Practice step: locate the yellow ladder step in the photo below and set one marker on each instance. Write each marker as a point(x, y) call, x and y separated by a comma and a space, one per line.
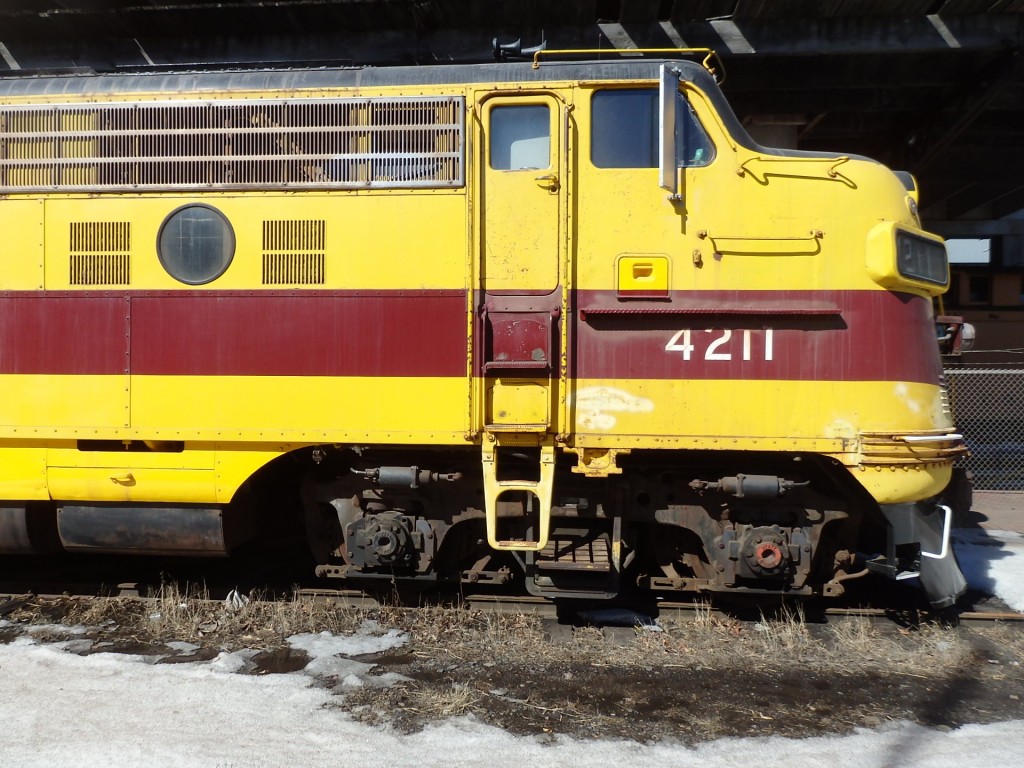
point(541, 489)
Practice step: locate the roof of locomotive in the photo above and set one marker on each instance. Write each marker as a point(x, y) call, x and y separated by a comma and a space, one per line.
point(14, 84)
point(54, 86)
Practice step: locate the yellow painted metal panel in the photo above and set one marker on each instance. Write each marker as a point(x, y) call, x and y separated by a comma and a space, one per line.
point(809, 230)
point(790, 416)
point(131, 484)
point(23, 472)
point(37, 405)
point(431, 410)
point(522, 403)
point(907, 483)
point(300, 409)
point(208, 474)
point(750, 414)
point(270, 409)
point(378, 240)
point(21, 246)
point(236, 463)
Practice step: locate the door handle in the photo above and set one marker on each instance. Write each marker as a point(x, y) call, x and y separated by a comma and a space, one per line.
point(549, 182)
point(127, 479)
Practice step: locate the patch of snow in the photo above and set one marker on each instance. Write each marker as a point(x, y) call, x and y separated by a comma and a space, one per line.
point(365, 641)
point(992, 562)
point(353, 681)
point(100, 710)
point(75, 646)
point(182, 648)
point(54, 629)
point(336, 666)
point(329, 654)
point(231, 662)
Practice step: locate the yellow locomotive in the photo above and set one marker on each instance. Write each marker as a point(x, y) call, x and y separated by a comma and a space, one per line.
point(563, 322)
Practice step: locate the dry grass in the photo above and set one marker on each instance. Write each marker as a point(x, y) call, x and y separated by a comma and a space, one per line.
point(703, 639)
point(707, 639)
point(437, 703)
point(192, 616)
point(466, 633)
point(855, 634)
point(704, 674)
point(786, 635)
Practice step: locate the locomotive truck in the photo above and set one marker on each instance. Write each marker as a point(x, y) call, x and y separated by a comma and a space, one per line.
point(563, 325)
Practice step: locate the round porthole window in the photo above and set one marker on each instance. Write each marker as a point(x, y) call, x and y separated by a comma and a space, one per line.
point(196, 244)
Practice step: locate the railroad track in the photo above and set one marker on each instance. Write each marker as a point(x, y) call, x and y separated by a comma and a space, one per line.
point(682, 610)
point(594, 613)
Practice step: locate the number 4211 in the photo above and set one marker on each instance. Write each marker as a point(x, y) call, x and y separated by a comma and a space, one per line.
point(720, 347)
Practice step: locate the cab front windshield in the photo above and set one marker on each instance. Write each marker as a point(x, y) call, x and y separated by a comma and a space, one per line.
point(624, 131)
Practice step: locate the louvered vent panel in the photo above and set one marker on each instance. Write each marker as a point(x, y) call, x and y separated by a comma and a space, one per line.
point(100, 253)
point(293, 269)
point(293, 252)
point(944, 402)
point(239, 144)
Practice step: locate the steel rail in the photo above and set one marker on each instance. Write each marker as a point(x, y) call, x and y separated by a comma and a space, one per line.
point(538, 606)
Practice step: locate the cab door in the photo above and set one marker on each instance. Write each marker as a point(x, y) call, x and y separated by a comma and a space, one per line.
point(522, 194)
point(519, 349)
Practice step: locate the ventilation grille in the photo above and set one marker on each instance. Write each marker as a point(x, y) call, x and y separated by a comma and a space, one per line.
point(240, 144)
point(100, 253)
point(293, 252)
point(944, 400)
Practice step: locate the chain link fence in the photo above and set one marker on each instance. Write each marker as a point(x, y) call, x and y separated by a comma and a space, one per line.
point(988, 409)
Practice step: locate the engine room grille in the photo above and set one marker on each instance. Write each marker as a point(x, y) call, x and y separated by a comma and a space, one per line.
point(293, 252)
point(100, 253)
point(241, 144)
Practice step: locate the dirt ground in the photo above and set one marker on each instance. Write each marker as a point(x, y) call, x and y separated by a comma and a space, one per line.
point(709, 679)
point(689, 679)
point(691, 702)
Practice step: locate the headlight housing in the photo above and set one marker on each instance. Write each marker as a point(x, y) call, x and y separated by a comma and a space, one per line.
point(903, 259)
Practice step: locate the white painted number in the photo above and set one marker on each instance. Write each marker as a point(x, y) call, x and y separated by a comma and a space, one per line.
point(686, 347)
point(712, 354)
point(719, 347)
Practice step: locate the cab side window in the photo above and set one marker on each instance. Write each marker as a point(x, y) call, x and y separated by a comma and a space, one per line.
point(624, 131)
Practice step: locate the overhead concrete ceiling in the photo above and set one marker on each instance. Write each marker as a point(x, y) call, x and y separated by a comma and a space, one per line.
point(935, 87)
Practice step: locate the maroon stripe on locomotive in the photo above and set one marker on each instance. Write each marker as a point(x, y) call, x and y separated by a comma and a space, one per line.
point(820, 335)
point(64, 333)
point(816, 336)
point(414, 333)
point(365, 333)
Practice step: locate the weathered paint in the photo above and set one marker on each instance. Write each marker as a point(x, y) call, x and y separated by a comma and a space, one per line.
point(418, 333)
point(819, 350)
point(597, 407)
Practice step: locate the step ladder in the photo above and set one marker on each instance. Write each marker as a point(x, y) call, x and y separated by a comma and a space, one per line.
point(541, 490)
